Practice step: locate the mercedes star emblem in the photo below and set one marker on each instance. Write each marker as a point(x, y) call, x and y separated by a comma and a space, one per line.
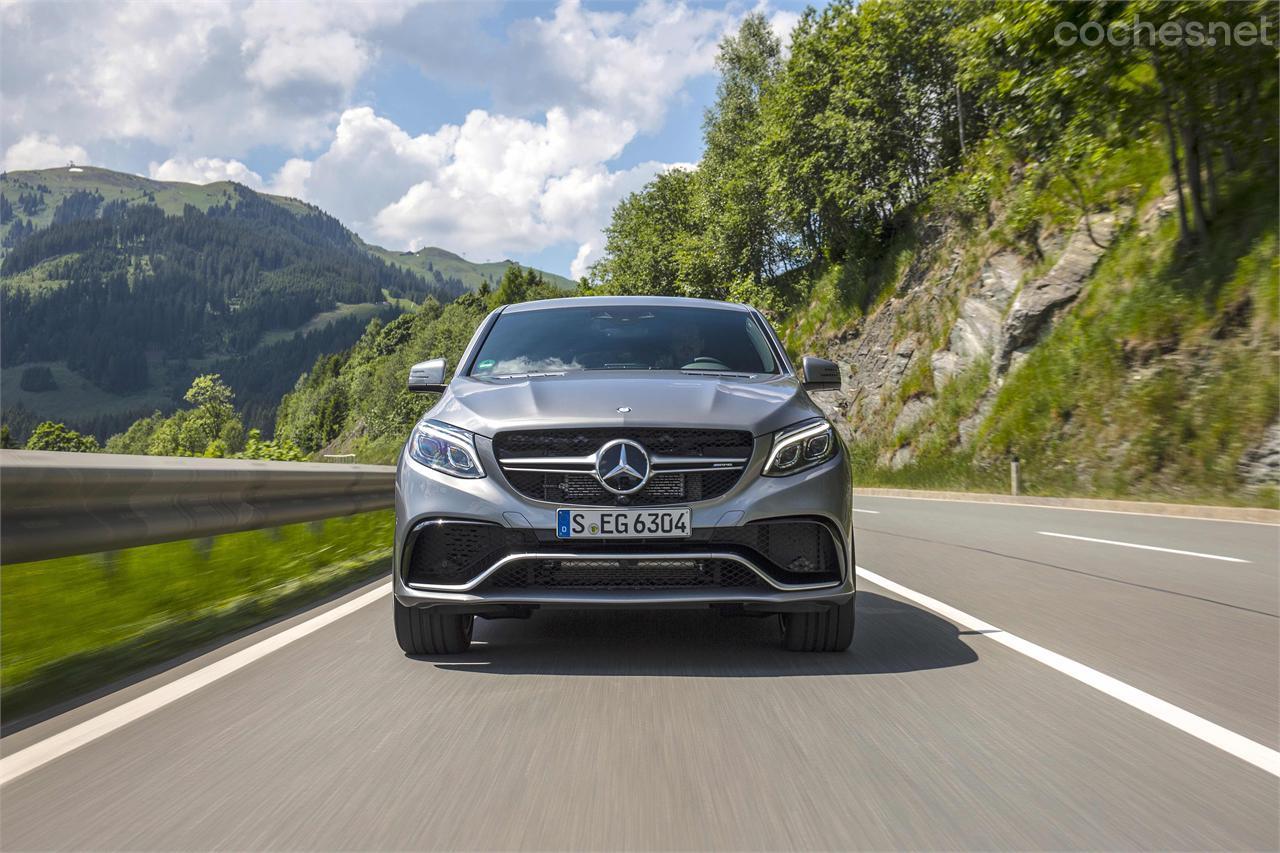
point(622, 466)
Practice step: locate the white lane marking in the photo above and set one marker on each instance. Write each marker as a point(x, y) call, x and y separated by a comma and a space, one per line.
point(1071, 509)
point(54, 746)
point(1144, 547)
point(1198, 727)
point(872, 511)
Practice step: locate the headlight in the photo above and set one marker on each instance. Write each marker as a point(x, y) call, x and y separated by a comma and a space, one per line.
point(446, 449)
point(800, 447)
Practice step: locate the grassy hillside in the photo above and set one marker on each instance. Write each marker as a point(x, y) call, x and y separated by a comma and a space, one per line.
point(356, 401)
point(127, 287)
point(54, 185)
point(1154, 382)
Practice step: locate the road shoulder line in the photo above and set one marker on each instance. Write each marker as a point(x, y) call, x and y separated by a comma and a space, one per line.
point(1198, 727)
point(1194, 512)
point(42, 752)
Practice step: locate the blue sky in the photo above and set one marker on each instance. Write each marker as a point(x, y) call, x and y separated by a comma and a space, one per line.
point(491, 129)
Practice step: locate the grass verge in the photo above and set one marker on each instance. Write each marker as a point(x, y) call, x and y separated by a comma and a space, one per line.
point(74, 624)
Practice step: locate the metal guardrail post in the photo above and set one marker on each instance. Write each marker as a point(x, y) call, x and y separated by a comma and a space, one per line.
point(60, 504)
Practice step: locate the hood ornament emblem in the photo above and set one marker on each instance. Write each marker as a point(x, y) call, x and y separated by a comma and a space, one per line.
point(622, 466)
point(623, 409)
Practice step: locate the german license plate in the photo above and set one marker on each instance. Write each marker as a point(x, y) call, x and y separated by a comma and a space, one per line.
point(621, 523)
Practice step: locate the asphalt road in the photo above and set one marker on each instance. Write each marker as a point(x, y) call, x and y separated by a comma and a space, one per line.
point(685, 730)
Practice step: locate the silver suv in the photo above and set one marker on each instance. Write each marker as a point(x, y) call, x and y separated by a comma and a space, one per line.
point(623, 452)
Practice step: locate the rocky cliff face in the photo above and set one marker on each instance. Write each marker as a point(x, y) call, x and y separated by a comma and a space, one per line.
point(928, 365)
point(994, 317)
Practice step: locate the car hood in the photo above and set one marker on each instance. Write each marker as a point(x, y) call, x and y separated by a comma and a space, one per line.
point(489, 406)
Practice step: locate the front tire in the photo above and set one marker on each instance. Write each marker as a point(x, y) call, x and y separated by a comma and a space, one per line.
point(427, 631)
point(827, 630)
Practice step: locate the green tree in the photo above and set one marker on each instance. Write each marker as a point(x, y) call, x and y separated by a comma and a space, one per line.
point(866, 114)
point(137, 438)
point(38, 379)
point(518, 284)
point(655, 242)
point(55, 436)
point(743, 232)
point(1067, 104)
point(282, 450)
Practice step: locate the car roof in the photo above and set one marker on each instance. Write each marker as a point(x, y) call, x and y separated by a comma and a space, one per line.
point(620, 301)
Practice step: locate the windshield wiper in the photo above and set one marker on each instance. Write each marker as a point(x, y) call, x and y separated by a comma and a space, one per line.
point(720, 373)
point(525, 375)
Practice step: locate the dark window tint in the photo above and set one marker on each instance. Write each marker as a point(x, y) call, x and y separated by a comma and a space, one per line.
point(556, 340)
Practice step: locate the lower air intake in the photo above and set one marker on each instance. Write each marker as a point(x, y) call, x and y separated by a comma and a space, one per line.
point(637, 574)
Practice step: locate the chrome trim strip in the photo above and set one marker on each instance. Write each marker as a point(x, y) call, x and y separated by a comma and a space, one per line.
point(656, 470)
point(685, 555)
point(558, 464)
point(726, 461)
point(541, 461)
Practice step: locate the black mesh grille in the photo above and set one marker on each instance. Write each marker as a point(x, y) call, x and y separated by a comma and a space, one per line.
point(624, 574)
point(788, 550)
point(585, 490)
point(455, 552)
point(795, 551)
point(579, 442)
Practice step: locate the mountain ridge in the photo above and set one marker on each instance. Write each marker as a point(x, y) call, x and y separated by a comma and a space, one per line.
point(119, 289)
point(172, 196)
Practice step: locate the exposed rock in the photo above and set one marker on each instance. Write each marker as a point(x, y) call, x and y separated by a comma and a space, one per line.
point(902, 457)
point(1162, 209)
point(912, 411)
point(968, 427)
point(1260, 465)
point(872, 366)
point(1039, 301)
point(977, 329)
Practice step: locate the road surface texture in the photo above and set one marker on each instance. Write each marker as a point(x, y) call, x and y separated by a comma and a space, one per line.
point(684, 730)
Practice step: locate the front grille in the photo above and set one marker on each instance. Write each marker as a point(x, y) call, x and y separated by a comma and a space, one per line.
point(645, 574)
point(579, 442)
point(583, 489)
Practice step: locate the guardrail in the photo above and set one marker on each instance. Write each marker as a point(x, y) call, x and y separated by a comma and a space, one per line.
point(60, 504)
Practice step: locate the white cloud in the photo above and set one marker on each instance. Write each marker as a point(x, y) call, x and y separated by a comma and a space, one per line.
point(34, 151)
point(192, 78)
point(292, 178)
point(571, 91)
point(205, 170)
point(491, 187)
point(198, 87)
point(625, 64)
point(782, 23)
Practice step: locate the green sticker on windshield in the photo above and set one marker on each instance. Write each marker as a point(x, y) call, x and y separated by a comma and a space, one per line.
point(487, 364)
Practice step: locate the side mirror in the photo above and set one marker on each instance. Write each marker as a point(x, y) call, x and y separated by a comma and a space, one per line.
point(427, 376)
point(818, 374)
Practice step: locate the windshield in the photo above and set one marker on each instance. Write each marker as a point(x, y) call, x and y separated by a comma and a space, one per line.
point(558, 340)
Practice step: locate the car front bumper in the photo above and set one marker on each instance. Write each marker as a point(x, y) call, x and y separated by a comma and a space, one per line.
point(426, 497)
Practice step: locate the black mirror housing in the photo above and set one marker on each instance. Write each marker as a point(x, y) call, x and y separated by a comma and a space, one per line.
point(818, 374)
point(427, 377)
